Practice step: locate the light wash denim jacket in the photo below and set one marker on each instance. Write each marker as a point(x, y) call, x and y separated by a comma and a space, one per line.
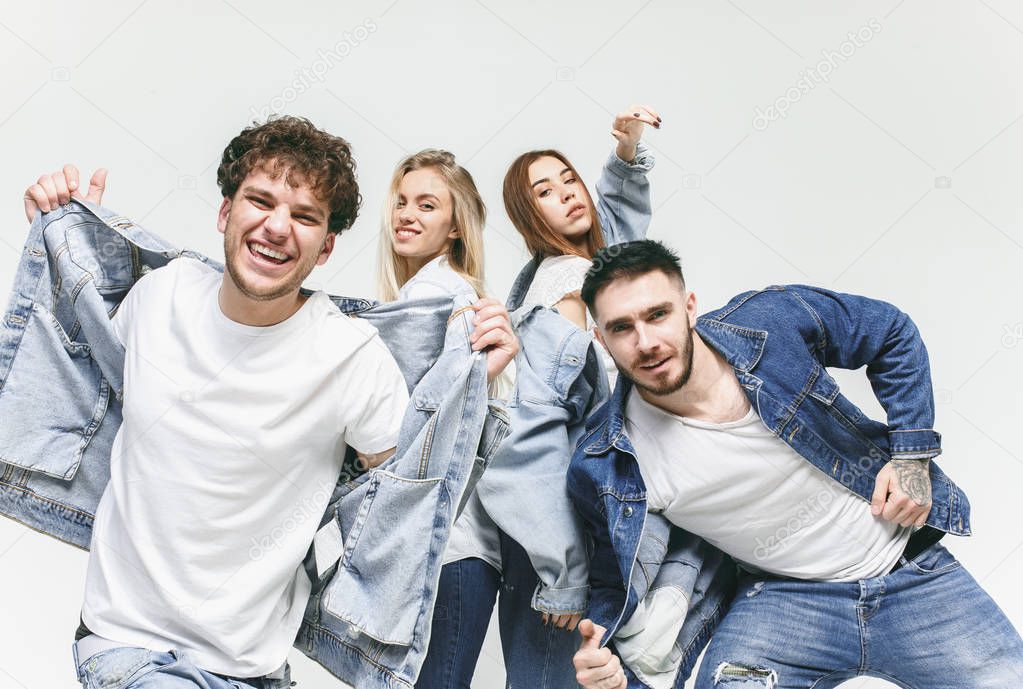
point(779, 342)
point(560, 380)
point(378, 554)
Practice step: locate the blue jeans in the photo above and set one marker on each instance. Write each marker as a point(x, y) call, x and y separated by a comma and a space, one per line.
point(927, 625)
point(537, 656)
point(140, 668)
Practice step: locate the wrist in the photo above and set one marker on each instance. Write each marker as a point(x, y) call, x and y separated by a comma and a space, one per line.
point(626, 153)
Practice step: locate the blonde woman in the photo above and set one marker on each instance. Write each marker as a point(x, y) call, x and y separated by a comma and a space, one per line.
point(432, 246)
point(432, 243)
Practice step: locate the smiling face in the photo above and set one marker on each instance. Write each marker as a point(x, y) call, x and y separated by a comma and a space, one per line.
point(274, 235)
point(423, 217)
point(646, 324)
point(562, 198)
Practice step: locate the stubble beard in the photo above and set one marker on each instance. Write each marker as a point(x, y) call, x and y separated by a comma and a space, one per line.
point(671, 386)
point(289, 285)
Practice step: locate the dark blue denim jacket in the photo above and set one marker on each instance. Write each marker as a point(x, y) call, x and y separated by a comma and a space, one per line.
point(378, 553)
point(779, 341)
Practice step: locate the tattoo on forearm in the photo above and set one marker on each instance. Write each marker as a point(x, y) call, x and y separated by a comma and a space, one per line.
point(914, 478)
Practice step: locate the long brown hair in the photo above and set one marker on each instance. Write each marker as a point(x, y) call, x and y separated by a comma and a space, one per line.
point(522, 208)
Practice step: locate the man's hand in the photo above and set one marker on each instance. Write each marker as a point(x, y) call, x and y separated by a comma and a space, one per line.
point(494, 335)
point(628, 129)
point(51, 191)
point(568, 622)
point(902, 492)
point(596, 667)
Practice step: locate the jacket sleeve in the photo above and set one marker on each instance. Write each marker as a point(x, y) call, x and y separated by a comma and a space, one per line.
point(623, 197)
point(850, 331)
point(607, 591)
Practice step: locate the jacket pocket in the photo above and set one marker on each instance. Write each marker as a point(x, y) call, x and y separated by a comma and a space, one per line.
point(52, 401)
point(381, 586)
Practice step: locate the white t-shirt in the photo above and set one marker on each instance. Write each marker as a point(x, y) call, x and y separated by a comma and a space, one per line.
point(474, 533)
point(559, 276)
point(231, 445)
point(751, 495)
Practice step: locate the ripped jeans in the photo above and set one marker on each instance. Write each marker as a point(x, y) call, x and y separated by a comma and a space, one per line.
point(926, 625)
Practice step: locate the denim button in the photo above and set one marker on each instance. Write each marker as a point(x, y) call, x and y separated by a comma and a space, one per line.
point(628, 511)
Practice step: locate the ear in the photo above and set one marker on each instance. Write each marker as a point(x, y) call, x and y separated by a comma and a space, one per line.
point(225, 210)
point(328, 246)
point(691, 308)
point(454, 233)
point(599, 336)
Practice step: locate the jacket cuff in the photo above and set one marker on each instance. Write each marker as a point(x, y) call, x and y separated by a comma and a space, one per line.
point(643, 163)
point(920, 443)
point(561, 601)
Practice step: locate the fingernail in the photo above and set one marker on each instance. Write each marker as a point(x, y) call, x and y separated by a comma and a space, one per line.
point(635, 114)
point(658, 119)
point(72, 186)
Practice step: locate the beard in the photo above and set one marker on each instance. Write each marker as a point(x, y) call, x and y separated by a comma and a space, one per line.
point(288, 284)
point(667, 386)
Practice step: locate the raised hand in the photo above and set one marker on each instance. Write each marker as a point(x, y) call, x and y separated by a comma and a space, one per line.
point(628, 129)
point(51, 191)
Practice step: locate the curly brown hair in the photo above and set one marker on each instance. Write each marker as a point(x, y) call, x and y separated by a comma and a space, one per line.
point(293, 146)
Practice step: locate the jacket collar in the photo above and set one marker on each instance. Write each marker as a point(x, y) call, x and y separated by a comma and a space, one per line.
point(741, 347)
point(522, 283)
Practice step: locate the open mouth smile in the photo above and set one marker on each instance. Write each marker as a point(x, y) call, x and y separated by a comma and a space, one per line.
point(406, 233)
point(264, 254)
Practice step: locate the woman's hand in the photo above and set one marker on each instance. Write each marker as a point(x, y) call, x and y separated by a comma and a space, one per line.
point(569, 622)
point(628, 129)
point(494, 335)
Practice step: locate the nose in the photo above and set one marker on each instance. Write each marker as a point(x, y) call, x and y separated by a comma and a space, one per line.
point(277, 223)
point(567, 194)
point(645, 340)
point(404, 217)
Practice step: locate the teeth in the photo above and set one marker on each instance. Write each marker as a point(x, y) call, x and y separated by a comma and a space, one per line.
point(260, 249)
point(407, 233)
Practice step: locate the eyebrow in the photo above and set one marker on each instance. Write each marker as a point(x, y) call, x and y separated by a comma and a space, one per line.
point(299, 207)
point(663, 306)
point(548, 179)
point(428, 195)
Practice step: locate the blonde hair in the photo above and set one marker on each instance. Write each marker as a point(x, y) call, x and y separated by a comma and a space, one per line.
point(465, 252)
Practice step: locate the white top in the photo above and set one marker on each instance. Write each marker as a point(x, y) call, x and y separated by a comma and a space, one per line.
point(745, 491)
point(474, 533)
point(560, 276)
point(748, 493)
point(435, 279)
point(228, 454)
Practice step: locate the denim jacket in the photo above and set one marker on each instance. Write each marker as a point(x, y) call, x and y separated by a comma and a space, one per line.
point(779, 341)
point(61, 378)
point(559, 381)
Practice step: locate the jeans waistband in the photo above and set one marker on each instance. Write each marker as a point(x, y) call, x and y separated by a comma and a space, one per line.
point(920, 541)
point(93, 644)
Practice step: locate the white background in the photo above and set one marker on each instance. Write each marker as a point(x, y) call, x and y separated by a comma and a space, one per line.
point(898, 178)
